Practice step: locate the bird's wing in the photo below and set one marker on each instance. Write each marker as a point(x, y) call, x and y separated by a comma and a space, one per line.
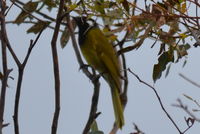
point(111, 73)
point(106, 56)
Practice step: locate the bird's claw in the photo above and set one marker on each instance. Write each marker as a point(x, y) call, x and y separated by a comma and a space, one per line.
point(95, 78)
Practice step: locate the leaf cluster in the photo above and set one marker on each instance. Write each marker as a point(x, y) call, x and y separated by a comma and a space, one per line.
point(159, 21)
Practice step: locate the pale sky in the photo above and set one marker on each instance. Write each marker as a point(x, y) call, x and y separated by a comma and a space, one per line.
point(37, 95)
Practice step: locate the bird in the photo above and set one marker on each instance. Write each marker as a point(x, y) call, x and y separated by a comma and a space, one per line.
point(100, 54)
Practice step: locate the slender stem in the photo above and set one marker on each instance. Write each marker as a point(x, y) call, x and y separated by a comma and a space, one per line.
point(25, 10)
point(17, 98)
point(4, 64)
point(20, 74)
point(56, 67)
point(92, 76)
point(21, 68)
point(189, 80)
point(159, 100)
point(93, 111)
point(38, 12)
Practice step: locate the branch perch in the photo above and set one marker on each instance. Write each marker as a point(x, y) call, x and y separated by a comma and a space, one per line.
point(92, 76)
point(56, 67)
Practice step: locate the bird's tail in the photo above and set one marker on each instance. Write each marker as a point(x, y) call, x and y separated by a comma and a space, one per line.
point(118, 109)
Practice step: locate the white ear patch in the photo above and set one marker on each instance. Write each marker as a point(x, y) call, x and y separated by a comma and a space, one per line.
point(91, 22)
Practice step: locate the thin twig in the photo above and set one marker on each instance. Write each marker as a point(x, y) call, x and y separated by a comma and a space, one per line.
point(189, 80)
point(13, 1)
point(198, 25)
point(20, 74)
point(93, 111)
point(159, 100)
point(21, 68)
point(138, 43)
point(12, 52)
point(3, 97)
point(185, 108)
point(32, 44)
point(4, 63)
point(56, 67)
point(9, 9)
point(33, 22)
point(38, 12)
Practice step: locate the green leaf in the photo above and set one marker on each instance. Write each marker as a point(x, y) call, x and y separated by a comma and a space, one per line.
point(184, 63)
point(30, 6)
point(167, 71)
point(119, 1)
point(21, 17)
point(50, 4)
point(64, 37)
point(36, 28)
point(163, 60)
point(1, 76)
point(182, 50)
point(156, 72)
point(72, 7)
point(126, 5)
point(112, 15)
point(96, 132)
point(187, 46)
point(94, 126)
point(99, 6)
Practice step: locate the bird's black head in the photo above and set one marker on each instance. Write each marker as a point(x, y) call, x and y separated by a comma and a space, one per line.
point(81, 22)
point(83, 26)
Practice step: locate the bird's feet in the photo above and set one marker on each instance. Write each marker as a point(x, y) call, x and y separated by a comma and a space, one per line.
point(95, 78)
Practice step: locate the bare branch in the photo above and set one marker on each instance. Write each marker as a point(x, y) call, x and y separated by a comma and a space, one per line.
point(4, 64)
point(185, 108)
point(21, 68)
point(159, 100)
point(38, 12)
point(93, 111)
point(189, 80)
point(56, 67)
point(92, 76)
point(138, 131)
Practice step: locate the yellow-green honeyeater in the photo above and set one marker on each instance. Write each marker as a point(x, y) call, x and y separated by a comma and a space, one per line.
point(100, 54)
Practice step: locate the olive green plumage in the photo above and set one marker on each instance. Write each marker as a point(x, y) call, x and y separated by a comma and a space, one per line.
point(101, 55)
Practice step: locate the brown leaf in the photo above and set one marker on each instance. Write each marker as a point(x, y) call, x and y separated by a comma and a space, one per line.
point(36, 28)
point(21, 17)
point(126, 5)
point(30, 6)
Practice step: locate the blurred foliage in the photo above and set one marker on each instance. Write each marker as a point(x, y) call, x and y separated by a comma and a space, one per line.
point(159, 21)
